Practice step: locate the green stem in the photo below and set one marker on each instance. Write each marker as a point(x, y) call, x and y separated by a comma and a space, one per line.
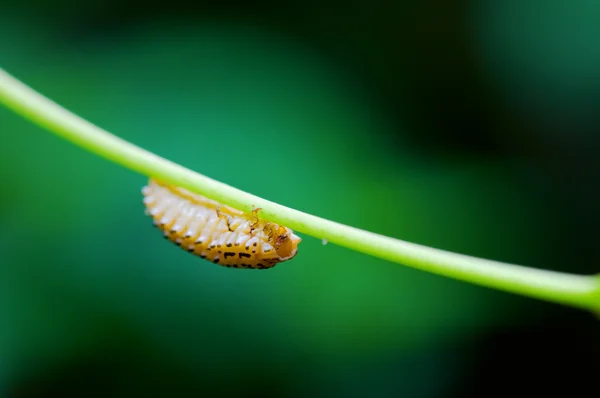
point(575, 290)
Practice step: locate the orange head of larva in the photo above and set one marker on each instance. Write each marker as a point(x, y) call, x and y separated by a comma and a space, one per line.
point(286, 243)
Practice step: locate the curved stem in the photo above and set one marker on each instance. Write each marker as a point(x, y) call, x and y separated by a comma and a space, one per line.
point(575, 290)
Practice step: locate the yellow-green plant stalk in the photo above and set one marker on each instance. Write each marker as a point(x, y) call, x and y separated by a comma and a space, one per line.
point(582, 291)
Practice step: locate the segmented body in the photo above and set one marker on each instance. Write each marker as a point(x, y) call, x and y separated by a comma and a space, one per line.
point(219, 233)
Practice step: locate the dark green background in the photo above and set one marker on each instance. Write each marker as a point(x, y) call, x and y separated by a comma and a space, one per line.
point(467, 126)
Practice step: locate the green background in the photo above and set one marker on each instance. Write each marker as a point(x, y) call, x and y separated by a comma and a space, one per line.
point(467, 126)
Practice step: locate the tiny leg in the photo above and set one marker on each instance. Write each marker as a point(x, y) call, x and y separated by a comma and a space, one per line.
point(254, 215)
point(227, 218)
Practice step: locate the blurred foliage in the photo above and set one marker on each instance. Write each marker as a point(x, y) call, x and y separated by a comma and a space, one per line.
point(466, 127)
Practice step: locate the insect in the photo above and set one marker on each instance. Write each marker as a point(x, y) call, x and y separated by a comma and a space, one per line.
point(216, 232)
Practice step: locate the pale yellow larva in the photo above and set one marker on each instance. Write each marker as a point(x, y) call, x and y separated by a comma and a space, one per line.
point(219, 233)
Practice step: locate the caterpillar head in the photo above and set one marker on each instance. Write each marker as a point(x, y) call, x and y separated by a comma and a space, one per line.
point(285, 243)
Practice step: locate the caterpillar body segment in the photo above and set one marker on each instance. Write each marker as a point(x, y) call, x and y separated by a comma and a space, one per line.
point(216, 232)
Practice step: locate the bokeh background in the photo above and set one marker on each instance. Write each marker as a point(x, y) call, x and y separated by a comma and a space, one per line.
point(467, 126)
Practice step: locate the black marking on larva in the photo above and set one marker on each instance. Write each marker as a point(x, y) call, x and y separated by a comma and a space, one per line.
point(255, 244)
point(191, 249)
point(229, 254)
point(253, 251)
point(216, 260)
point(177, 243)
point(202, 256)
point(247, 247)
point(242, 254)
point(259, 265)
point(229, 245)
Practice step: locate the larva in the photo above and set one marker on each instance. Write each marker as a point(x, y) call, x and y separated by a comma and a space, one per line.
point(219, 233)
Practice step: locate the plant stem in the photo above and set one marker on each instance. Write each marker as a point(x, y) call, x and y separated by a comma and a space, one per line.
point(567, 289)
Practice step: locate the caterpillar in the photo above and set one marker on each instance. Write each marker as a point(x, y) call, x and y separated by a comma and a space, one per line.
point(216, 232)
